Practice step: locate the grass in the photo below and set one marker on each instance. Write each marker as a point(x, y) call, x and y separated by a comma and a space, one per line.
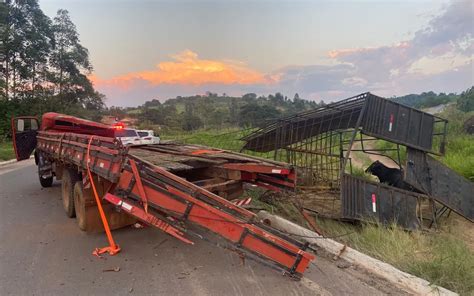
point(460, 155)
point(441, 258)
point(6, 151)
point(460, 146)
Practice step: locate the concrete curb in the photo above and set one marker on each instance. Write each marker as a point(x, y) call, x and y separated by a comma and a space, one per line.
point(403, 280)
point(3, 163)
point(7, 162)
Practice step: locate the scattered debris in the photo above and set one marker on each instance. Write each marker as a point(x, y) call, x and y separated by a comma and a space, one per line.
point(115, 269)
point(343, 265)
point(138, 225)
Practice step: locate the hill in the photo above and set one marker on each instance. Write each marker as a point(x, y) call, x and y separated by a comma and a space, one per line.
point(426, 99)
point(213, 111)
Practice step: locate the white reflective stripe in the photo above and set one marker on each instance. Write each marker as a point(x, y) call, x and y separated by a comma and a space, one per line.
point(374, 205)
point(390, 127)
point(126, 206)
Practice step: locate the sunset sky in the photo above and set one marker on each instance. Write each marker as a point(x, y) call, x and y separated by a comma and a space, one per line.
point(143, 50)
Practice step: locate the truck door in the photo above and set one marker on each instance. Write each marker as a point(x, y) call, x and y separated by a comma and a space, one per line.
point(24, 130)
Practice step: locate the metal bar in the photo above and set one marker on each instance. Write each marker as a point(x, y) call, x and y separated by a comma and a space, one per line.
point(354, 133)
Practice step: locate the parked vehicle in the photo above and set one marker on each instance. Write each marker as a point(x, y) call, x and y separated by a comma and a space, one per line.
point(148, 137)
point(127, 136)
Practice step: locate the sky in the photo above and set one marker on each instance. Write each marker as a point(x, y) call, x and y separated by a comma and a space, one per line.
point(322, 50)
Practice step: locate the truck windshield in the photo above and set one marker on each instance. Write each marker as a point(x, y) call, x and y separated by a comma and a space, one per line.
point(125, 133)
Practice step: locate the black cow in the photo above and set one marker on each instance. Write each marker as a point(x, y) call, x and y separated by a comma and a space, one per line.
point(389, 176)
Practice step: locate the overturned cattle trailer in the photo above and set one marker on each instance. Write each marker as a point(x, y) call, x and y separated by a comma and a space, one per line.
point(320, 143)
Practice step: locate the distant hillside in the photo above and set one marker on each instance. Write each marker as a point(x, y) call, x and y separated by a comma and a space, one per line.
point(215, 111)
point(426, 99)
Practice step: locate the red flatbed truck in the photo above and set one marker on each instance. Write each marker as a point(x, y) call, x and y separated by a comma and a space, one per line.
point(107, 186)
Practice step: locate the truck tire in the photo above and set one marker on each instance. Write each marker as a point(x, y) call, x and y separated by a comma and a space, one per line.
point(42, 164)
point(80, 206)
point(87, 213)
point(46, 182)
point(70, 177)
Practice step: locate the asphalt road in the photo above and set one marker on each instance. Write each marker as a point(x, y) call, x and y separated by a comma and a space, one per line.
point(42, 252)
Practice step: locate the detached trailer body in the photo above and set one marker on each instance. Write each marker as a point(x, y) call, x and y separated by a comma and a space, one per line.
point(166, 186)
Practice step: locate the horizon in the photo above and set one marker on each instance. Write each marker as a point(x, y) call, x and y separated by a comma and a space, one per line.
point(162, 49)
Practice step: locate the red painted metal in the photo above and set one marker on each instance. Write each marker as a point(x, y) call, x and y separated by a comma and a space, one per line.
point(164, 194)
point(64, 123)
point(273, 180)
point(238, 230)
point(141, 190)
point(205, 151)
point(139, 213)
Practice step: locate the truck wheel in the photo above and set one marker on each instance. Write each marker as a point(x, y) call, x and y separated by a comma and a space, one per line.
point(46, 182)
point(80, 206)
point(70, 177)
point(44, 169)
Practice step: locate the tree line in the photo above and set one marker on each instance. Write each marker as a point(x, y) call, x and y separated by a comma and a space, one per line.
point(43, 66)
point(213, 111)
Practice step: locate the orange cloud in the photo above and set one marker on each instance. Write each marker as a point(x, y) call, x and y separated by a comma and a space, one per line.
point(345, 52)
point(188, 69)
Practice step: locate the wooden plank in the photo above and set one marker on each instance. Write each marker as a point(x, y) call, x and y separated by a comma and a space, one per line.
point(222, 173)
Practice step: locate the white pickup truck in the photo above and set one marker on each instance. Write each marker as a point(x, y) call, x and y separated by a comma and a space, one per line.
point(148, 137)
point(128, 136)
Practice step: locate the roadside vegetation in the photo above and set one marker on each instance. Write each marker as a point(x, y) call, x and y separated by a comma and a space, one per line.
point(6, 151)
point(441, 257)
point(444, 257)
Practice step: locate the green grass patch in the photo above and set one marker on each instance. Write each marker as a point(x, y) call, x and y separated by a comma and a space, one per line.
point(440, 258)
point(6, 151)
point(460, 155)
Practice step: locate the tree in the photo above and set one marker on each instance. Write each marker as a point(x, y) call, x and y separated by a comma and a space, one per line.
point(190, 121)
point(249, 97)
point(43, 67)
point(233, 112)
point(466, 100)
point(255, 115)
point(69, 59)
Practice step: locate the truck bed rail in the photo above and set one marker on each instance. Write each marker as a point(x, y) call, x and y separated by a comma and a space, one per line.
point(162, 198)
